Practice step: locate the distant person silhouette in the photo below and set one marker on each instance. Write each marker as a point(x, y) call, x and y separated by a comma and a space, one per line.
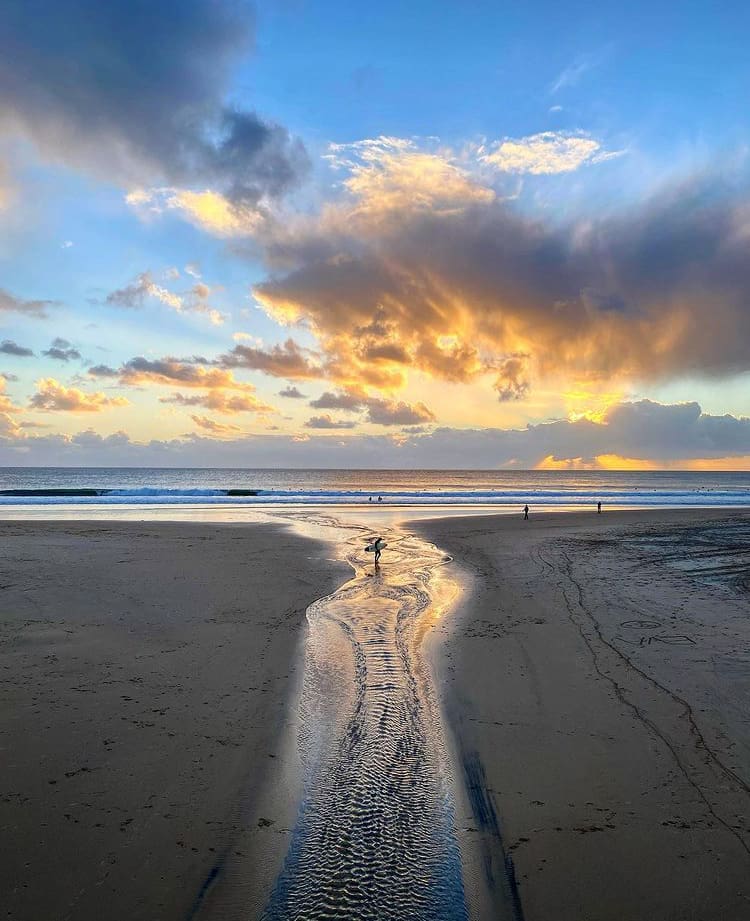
point(380, 498)
point(599, 508)
point(525, 513)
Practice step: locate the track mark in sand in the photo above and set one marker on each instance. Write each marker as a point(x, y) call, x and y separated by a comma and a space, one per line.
point(375, 834)
point(679, 754)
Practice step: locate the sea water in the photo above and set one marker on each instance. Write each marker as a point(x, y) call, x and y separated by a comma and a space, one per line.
point(503, 490)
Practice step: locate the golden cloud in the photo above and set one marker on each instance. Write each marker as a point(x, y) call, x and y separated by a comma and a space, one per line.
point(52, 396)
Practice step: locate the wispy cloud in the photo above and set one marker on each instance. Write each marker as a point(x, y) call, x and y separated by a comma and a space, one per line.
point(572, 74)
point(9, 303)
point(144, 289)
point(547, 153)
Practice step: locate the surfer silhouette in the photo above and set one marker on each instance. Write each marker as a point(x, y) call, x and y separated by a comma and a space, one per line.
point(378, 545)
point(525, 513)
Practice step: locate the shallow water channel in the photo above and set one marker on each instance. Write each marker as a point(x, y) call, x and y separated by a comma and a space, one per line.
point(374, 836)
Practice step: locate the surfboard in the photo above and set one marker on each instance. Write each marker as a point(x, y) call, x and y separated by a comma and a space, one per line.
point(370, 548)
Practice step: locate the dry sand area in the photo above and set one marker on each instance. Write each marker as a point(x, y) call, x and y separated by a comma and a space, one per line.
point(598, 687)
point(145, 676)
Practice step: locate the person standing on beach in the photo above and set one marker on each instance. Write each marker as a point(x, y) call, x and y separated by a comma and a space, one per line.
point(378, 545)
point(598, 508)
point(525, 513)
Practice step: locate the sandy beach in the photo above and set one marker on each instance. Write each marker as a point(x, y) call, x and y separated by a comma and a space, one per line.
point(147, 672)
point(597, 683)
point(594, 681)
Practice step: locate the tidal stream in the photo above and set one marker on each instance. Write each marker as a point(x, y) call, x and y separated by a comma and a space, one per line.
point(374, 836)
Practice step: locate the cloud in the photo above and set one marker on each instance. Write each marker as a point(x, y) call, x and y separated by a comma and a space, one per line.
point(9, 347)
point(221, 401)
point(144, 289)
point(572, 74)
point(287, 360)
point(385, 412)
point(139, 291)
point(52, 396)
point(511, 382)
point(136, 92)
point(378, 411)
point(350, 401)
point(672, 435)
point(326, 422)
point(170, 371)
point(102, 371)
point(208, 210)
point(216, 428)
point(455, 293)
point(11, 304)
point(546, 153)
point(292, 393)
point(222, 391)
point(61, 350)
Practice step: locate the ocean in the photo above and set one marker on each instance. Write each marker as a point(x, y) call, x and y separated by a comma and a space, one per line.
point(503, 490)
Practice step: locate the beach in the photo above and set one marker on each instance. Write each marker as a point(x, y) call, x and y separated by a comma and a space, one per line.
point(593, 679)
point(597, 684)
point(147, 675)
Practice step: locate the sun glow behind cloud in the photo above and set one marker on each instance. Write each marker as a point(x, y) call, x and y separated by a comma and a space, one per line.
point(415, 292)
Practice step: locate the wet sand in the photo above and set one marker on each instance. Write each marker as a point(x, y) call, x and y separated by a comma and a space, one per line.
point(146, 674)
point(596, 681)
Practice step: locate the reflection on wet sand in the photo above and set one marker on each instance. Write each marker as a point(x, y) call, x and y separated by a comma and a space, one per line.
point(374, 837)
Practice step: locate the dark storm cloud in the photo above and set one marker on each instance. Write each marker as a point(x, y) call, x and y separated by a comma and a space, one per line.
point(135, 91)
point(8, 347)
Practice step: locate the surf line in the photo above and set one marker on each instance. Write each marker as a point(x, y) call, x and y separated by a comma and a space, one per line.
point(374, 836)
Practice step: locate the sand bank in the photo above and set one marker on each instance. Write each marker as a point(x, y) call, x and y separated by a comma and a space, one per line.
point(597, 683)
point(145, 677)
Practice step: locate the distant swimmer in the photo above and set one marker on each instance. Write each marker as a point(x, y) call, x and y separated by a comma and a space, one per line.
point(380, 498)
point(599, 508)
point(525, 513)
point(370, 499)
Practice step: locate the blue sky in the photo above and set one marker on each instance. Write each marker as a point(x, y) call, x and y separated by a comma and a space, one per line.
point(551, 225)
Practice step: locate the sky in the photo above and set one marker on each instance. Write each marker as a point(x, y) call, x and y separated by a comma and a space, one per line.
point(336, 234)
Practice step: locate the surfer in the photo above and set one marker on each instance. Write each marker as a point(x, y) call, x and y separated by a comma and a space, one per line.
point(378, 545)
point(525, 513)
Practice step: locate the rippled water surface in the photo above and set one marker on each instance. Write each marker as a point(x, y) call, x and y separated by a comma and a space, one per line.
point(374, 836)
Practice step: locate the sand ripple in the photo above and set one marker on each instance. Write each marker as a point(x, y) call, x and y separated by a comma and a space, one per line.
point(374, 836)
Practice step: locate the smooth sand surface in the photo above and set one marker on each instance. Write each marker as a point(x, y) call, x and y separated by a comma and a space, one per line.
point(146, 671)
point(597, 683)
